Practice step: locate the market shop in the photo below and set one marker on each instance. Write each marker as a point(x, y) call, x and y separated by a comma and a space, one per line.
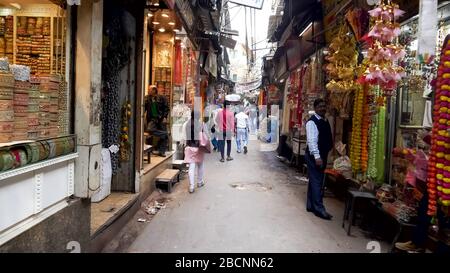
point(37, 145)
point(387, 112)
point(170, 65)
point(389, 144)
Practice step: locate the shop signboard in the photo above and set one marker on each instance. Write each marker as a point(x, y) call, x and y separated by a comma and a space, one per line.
point(256, 4)
point(227, 42)
point(247, 86)
point(186, 13)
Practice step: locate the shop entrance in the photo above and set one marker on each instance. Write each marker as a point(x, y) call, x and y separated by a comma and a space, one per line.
point(117, 190)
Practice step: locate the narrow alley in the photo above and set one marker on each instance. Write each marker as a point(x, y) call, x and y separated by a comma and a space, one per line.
point(109, 108)
point(254, 203)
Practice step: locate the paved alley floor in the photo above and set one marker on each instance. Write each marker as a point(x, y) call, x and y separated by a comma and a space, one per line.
point(254, 203)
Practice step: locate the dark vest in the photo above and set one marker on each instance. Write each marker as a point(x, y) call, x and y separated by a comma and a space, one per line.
point(325, 142)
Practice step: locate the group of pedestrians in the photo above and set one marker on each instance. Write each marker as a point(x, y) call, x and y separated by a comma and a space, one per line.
point(221, 127)
point(225, 124)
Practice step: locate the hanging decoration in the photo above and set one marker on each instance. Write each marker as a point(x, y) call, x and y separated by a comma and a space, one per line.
point(117, 54)
point(355, 147)
point(358, 19)
point(343, 60)
point(375, 169)
point(359, 150)
point(125, 136)
point(384, 51)
point(365, 131)
point(439, 162)
point(372, 168)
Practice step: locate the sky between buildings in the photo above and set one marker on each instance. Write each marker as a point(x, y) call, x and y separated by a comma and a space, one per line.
point(239, 60)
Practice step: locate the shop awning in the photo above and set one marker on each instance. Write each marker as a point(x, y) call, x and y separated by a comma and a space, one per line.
point(303, 7)
point(206, 18)
point(274, 21)
point(247, 86)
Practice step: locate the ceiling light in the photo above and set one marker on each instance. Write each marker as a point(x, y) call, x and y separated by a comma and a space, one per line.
point(165, 15)
point(177, 38)
point(161, 30)
point(150, 14)
point(15, 5)
point(155, 23)
point(172, 23)
point(176, 30)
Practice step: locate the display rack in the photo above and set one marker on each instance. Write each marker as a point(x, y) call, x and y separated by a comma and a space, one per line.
point(35, 41)
point(163, 80)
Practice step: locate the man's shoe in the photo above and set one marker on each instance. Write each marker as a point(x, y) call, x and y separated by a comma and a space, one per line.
point(222, 160)
point(238, 152)
point(229, 158)
point(162, 154)
point(245, 149)
point(309, 210)
point(406, 246)
point(324, 215)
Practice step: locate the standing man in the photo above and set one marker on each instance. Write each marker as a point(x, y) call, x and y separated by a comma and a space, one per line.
point(242, 130)
point(320, 143)
point(157, 111)
point(225, 127)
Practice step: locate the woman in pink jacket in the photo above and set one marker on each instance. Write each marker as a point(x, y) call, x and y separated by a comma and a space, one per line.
point(193, 154)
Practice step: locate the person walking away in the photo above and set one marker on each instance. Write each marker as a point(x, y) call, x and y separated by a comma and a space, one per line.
point(214, 141)
point(211, 131)
point(193, 155)
point(320, 143)
point(156, 113)
point(225, 126)
point(242, 131)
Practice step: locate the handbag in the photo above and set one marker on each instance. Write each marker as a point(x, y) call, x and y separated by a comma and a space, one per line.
point(205, 144)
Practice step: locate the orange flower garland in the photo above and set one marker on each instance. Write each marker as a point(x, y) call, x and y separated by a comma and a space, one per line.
point(359, 150)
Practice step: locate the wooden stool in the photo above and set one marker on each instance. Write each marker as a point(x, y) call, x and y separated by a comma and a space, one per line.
point(350, 202)
point(179, 165)
point(168, 177)
point(148, 150)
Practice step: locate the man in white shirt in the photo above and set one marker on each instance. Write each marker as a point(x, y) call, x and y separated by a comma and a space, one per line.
point(320, 143)
point(242, 130)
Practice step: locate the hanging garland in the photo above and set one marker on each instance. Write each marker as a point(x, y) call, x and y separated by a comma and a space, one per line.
point(377, 136)
point(124, 138)
point(365, 130)
point(384, 51)
point(373, 140)
point(439, 163)
point(356, 143)
point(115, 58)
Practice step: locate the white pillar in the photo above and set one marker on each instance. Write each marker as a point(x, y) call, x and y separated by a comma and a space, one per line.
point(88, 75)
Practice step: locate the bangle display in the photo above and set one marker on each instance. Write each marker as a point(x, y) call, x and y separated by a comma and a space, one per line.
point(6, 161)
